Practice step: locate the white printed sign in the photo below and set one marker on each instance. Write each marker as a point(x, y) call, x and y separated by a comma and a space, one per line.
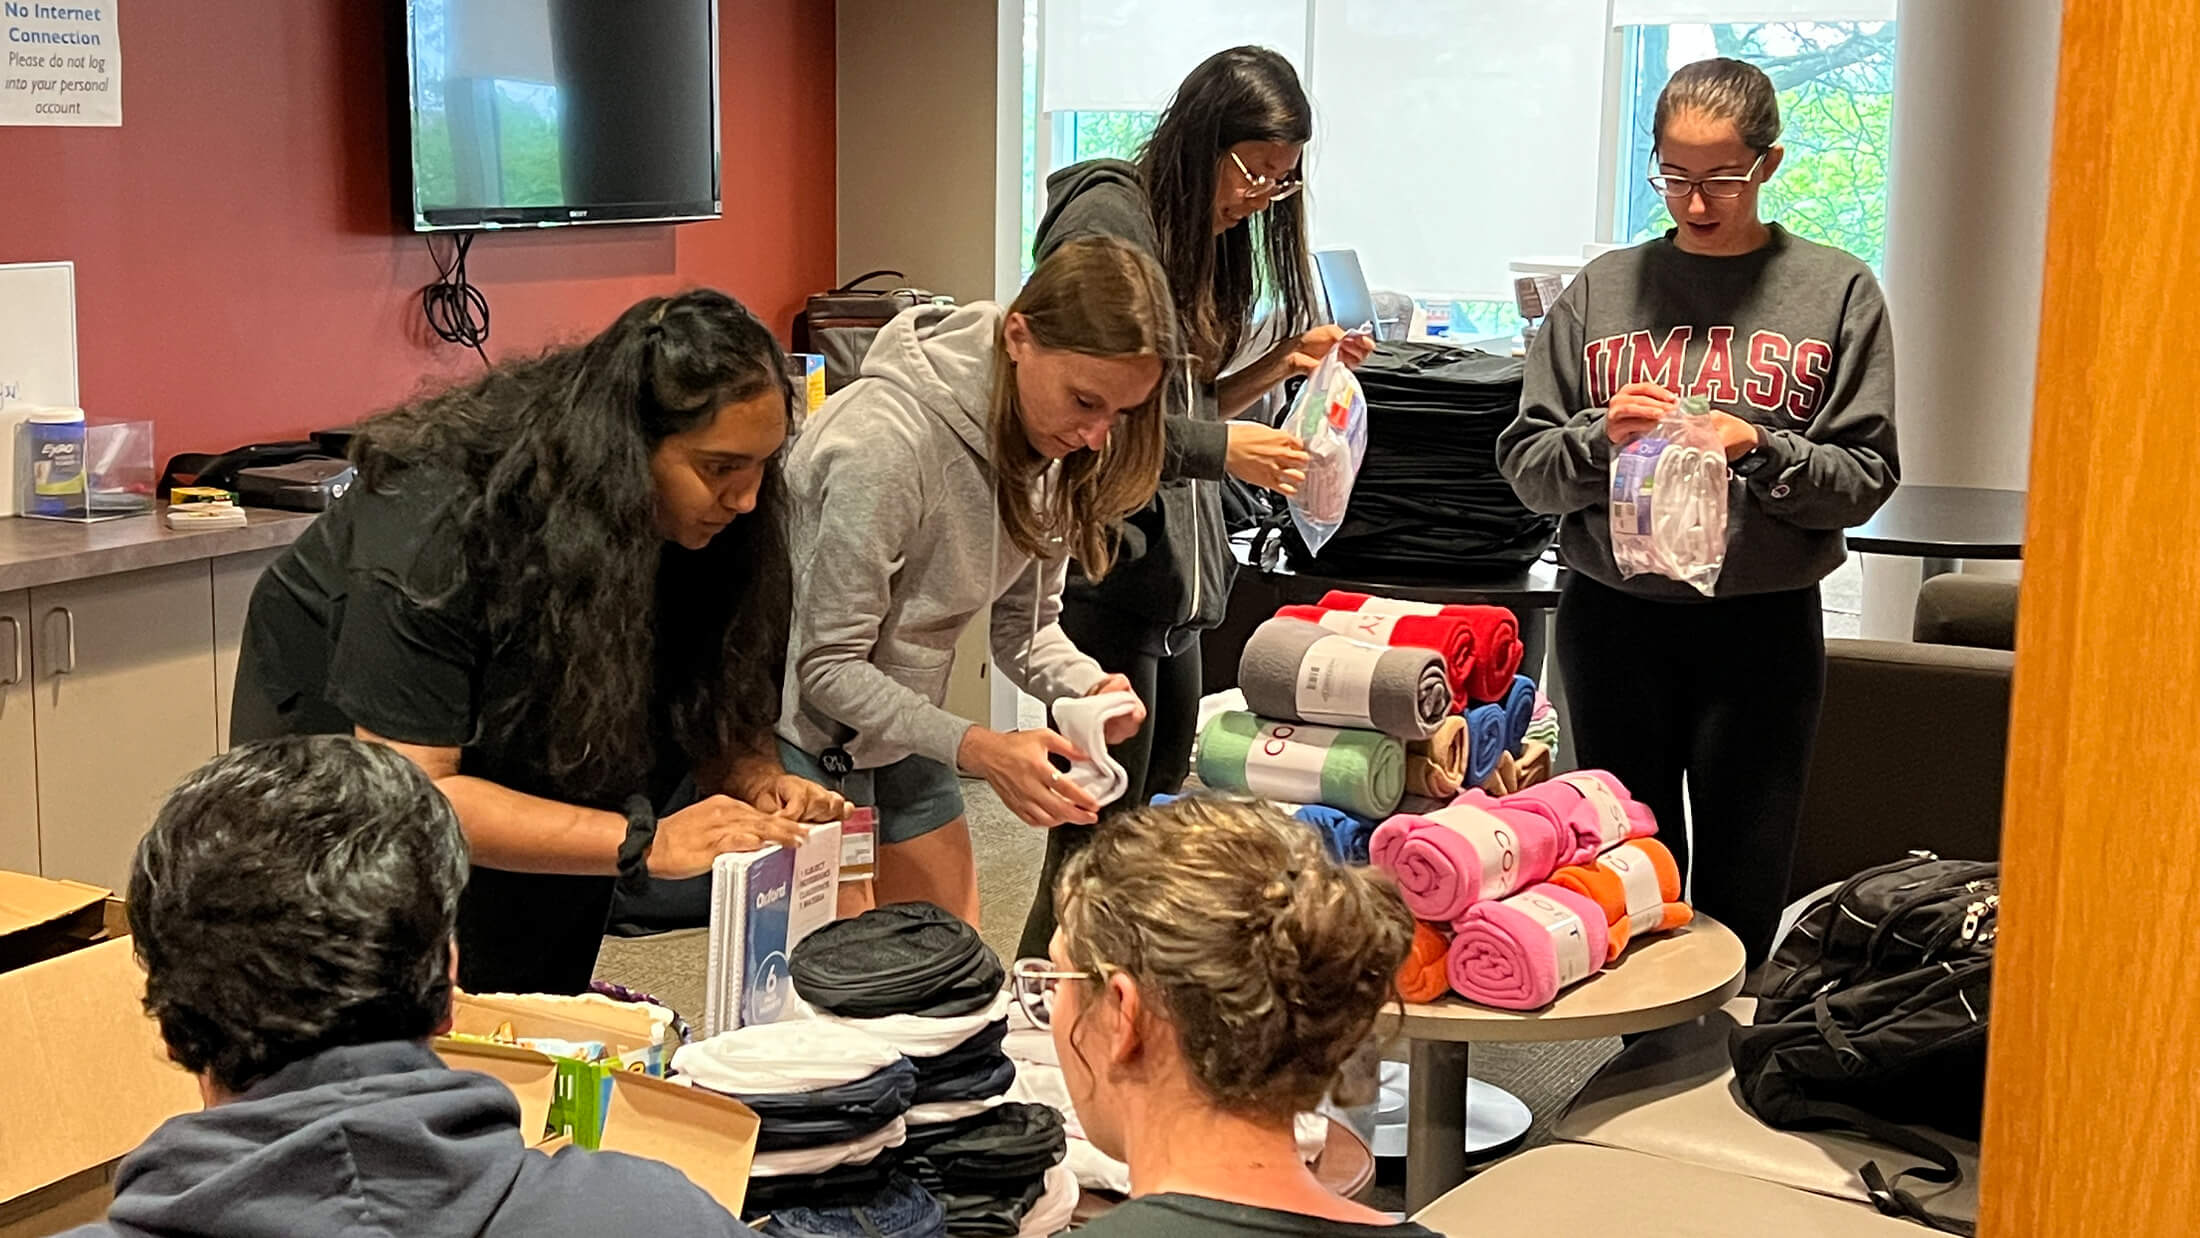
point(1496, 844)
point(1337, 681)
point(1569, 936)
point(1286, 761)
point(1638, 877)
point(62, 63)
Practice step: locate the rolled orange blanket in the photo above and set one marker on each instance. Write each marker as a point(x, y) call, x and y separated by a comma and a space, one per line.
point(1534, 763)
point(1436, 767)
point(1422, 977)
point(1637, 885)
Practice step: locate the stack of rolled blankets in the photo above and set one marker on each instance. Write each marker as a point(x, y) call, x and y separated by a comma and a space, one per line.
point(1354, 703)
point(1524, 895)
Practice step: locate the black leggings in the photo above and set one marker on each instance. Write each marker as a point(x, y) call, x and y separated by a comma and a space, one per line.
point(1157, 759)
point(1726, 692)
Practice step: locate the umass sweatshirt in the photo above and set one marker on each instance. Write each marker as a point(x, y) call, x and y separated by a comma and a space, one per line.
point(1793, 337)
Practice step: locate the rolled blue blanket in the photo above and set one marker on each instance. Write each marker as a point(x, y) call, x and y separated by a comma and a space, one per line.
point(1342, 833)
point(1519, 713)
point(1485, 742)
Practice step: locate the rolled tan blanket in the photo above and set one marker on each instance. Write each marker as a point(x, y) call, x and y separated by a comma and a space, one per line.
point(1534, 764)
point(1505, 779)
point(1436, 767)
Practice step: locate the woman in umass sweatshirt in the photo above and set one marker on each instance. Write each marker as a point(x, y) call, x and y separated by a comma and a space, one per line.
point(978, 448)
point(1790, 342)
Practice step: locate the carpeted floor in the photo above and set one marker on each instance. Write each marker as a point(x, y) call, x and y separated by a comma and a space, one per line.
point(671, 966)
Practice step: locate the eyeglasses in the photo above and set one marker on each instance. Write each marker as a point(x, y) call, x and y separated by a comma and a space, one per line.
point(1261, 187)
point(1033, 982)
point(1678, 188)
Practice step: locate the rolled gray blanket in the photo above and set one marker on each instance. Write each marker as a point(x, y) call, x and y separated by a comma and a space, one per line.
point(1293, 670)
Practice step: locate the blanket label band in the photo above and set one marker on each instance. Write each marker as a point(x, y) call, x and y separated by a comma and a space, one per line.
point(1612, 826)
point(1286, 761)
point(1399, 606)
point(1337, 681)
point(1639, 878)
point(1495, 842)
point(1569, 937)
point(1369, 626)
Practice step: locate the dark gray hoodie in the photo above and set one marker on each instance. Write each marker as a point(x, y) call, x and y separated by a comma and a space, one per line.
point(1175, 566)
point(376, 1141)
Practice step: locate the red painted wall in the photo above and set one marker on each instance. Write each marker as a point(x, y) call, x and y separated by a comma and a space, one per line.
point(241, 274)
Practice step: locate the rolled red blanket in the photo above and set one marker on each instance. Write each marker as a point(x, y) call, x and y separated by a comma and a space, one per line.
point(1496, 646)
point(1451, 637)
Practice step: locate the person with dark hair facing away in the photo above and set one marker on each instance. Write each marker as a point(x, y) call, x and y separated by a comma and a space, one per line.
point(563, 590)
point(1217, 198)
point(294, 907)
point(1213, 972)
point(1791, 344)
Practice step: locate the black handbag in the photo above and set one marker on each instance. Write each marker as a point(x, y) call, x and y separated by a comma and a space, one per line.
point(839, 325)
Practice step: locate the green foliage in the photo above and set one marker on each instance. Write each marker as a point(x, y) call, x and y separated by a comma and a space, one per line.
point(1110, 135)
point(527, 135)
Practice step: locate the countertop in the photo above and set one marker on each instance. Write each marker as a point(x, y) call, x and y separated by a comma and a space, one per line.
point(34, 553)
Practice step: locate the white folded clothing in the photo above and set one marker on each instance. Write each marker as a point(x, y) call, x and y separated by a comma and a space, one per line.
point(918, 1036)
point(774, 1059)
point(1083, 721)
point(1312, 1132)
point(832, 1156)
point(942, 1111)
point(1055, 1209)
point(1028, 1042)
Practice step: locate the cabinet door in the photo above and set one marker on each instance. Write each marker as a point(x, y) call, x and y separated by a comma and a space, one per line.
point(124, 706)
point(18, 756)
point(234, 578)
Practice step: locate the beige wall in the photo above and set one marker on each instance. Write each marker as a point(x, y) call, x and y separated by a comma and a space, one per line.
point(921, 141)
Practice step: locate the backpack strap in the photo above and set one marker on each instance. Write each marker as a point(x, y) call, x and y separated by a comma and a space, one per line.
point(1896, 1202)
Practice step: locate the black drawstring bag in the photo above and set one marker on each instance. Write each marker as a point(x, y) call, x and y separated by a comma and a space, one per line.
point(909, 958)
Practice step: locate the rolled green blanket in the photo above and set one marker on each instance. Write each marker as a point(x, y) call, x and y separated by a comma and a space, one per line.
point(1362, 772)
point(1292, 669)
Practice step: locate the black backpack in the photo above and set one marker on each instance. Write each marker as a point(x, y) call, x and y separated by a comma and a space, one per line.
point(1872, 1018)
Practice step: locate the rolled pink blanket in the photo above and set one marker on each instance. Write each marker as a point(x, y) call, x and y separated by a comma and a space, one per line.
point(1458, 856)
point(1594, 809)
point(1520, 953)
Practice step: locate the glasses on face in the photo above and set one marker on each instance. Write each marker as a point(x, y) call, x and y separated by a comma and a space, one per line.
point(1678, 188)
point(1033, 981)
point(1261, 187)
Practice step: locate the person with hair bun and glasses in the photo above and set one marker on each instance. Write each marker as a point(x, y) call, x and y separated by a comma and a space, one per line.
point(562, 589)
point(1790, 343)
point(1211, 973)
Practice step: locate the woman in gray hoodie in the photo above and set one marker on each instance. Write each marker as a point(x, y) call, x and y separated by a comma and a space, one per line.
point(978, 450)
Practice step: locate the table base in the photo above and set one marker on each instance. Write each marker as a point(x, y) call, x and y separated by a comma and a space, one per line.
point(1451, 1118)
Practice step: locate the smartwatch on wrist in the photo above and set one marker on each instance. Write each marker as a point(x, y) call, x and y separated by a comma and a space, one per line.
point(1753, 461)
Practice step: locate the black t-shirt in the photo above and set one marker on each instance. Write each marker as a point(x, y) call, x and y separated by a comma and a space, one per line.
point(1192, 1216)
point(368, 621)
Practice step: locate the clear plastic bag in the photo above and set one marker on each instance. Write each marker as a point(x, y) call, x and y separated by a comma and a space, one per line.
point(1330, 418)
point(1669, 496)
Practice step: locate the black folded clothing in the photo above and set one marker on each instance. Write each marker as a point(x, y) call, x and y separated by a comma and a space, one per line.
point(844, 1186)
point(982, 1079)
point(909, 958)
point(791, 1120)
point(997, 1211)
point(900, 1209)
point(1011, 1141)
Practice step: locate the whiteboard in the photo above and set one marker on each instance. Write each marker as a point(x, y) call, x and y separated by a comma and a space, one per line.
point(38, 333)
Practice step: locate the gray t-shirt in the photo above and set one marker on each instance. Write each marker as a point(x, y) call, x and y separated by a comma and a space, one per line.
point(1191, 1216)
point(1793, 337)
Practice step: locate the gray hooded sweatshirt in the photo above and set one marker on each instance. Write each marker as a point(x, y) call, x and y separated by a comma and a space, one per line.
point(897, 546)
point(382, 1141)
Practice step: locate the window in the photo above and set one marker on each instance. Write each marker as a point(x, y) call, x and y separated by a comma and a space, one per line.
point(1836, 84)
point(1453, 137)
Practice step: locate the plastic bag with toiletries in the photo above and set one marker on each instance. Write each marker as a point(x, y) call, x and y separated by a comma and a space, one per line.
point(1330, 418)
point(1669, 497)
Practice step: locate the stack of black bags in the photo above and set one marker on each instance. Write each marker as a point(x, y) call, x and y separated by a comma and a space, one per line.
point(1429, 500)
point(923, 981)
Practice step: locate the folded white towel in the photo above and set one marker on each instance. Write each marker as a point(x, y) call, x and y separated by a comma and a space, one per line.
point(774, 1059)
point(1083, 721)
point(817, 1160)
point(921, 1036)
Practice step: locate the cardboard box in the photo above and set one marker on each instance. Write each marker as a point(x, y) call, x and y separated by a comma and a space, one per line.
point(710, 1138)
point(89, 1077)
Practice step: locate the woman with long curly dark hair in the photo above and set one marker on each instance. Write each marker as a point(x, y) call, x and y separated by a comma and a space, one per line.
point(563, 590)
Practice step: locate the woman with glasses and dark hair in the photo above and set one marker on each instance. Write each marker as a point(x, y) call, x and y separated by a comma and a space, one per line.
point(1212, 974)
point(1789, 341)
point(1217, 198)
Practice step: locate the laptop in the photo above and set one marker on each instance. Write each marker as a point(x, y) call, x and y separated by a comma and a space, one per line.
point(1350, 303)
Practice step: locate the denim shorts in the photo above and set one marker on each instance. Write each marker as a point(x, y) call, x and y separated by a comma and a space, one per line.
point(914, 796)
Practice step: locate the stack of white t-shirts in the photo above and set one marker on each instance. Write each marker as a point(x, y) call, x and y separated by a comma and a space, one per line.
point(1039, 1081)
point(830, 1101)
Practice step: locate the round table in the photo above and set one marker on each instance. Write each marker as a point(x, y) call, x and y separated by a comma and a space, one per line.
point(1660, 981)
point(1944, 524)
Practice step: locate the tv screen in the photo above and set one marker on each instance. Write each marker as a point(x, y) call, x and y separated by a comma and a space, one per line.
point(531, 113)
